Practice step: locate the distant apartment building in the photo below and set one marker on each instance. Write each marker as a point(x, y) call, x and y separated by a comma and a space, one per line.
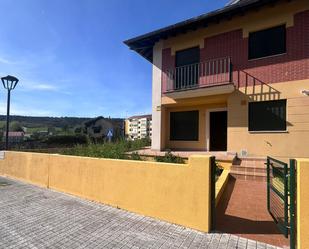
point(137, 127)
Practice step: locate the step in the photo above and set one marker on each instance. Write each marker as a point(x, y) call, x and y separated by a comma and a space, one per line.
point(251, 163)
point(248, 169)
point(250, 177)
point(233, 172)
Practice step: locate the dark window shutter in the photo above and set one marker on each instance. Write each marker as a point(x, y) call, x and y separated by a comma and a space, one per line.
point(267, 115)
point(267, 42)
point(187, 68)
point(184, 126)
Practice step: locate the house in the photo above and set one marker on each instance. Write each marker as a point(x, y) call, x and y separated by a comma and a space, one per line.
point(15, 136)
point(234, 80)
point(137, 127)
point(98, 128)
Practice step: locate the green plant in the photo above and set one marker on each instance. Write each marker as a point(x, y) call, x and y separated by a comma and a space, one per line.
point(219, 170)
point(66, 140)
point(135, 156)
point(116, 150)
point(169, 158)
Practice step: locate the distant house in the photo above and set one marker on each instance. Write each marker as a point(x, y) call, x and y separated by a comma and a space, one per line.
point(15, 136)
point(137, 127)
point(99, 127)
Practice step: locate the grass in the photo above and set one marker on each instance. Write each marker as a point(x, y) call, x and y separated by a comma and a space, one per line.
point(115, 150)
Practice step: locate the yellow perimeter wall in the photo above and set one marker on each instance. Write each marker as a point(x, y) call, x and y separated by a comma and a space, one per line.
point(302, 203)
point(172, 192)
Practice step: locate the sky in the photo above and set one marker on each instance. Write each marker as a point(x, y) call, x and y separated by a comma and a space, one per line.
point(70, 57)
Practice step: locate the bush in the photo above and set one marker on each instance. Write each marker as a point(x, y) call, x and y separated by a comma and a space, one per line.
point(218, 171)
point(66, 140)
point(135, 156)
point(169, 158)
point(115, 150)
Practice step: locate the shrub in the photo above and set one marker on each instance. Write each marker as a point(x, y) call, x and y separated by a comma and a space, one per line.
point(135, 156)
point(115, 150)
point(218, 171)
point(66, 140)
point(169, 158)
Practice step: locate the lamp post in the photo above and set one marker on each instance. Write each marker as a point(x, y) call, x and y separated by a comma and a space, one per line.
point(9, 83)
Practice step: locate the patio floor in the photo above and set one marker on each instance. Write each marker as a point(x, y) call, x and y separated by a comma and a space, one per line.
point(222, 155)
point(33, 217)
point(242, 211)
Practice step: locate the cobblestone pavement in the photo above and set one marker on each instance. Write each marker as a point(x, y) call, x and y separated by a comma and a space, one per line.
point(33, 217)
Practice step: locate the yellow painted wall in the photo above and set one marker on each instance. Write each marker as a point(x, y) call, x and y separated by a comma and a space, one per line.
point(302, 203)
point(292, 143)
point(221, 184)
point(172, 192)
point(29, 167)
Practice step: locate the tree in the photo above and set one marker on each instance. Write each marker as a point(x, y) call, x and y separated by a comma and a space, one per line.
point(16, 126)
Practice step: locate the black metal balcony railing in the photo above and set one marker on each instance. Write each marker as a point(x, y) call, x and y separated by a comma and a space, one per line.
point(203, 74)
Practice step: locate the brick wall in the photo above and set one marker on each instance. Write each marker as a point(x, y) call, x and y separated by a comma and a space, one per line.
point(287, 67)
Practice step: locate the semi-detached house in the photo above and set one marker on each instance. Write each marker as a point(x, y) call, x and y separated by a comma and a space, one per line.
point(235, 79)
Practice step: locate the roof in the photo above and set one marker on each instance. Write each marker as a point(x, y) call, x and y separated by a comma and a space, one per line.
point(92, 121)
point(143, 44)
point(141, 116)
point(234, 1)
point(16, 133)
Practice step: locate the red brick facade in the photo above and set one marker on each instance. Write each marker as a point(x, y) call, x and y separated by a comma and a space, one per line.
point(293, 65)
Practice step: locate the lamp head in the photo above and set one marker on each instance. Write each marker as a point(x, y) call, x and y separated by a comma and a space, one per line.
point(305, 92)
point(9, 82)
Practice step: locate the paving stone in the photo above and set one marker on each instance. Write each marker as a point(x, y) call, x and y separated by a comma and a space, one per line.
point(33, 217)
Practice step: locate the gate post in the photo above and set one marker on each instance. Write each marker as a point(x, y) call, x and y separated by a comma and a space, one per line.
point(268, 183)
point(213, 192)
point(292, 187)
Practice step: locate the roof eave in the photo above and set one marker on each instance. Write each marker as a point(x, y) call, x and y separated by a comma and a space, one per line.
point(143, 44)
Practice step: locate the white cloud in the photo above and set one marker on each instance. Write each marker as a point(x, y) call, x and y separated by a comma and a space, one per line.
point(17, 109)
point(6, 61)
point(44, 87)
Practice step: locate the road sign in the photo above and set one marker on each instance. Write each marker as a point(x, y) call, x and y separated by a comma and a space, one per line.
point(110, 133)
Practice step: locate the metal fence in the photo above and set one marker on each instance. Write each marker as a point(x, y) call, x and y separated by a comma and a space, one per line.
point(203, 74)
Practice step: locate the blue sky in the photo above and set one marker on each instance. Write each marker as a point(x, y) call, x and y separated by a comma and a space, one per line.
point(70, 57)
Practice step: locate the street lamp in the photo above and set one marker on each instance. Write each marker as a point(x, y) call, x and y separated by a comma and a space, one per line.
point(9, 83)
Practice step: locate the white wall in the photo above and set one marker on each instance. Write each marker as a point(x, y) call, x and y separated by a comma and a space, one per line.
point(156, 96)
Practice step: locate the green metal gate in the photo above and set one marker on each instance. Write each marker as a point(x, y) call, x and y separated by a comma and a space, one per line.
point(281, 196)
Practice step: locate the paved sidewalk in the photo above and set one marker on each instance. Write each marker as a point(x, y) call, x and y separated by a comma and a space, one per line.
point(33, 217)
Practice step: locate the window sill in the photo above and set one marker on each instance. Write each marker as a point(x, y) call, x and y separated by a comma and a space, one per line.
point(266, 57)
point(260, 132)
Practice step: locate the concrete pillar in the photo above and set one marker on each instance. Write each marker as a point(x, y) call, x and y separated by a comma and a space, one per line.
point(156, 96)
point(302, 194)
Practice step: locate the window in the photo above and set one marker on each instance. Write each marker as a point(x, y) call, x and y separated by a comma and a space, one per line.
point(267, 115)
point(186, 74)
point(267, 42)
point(96, 129)
point(184, 126)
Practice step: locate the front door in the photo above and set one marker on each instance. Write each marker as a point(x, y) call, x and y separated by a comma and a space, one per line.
point(218, 131)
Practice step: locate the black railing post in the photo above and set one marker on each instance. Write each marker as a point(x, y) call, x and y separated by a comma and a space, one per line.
point(268, 183)
point(231, 70)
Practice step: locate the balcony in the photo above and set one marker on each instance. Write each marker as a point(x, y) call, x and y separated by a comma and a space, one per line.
point(204, 78)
